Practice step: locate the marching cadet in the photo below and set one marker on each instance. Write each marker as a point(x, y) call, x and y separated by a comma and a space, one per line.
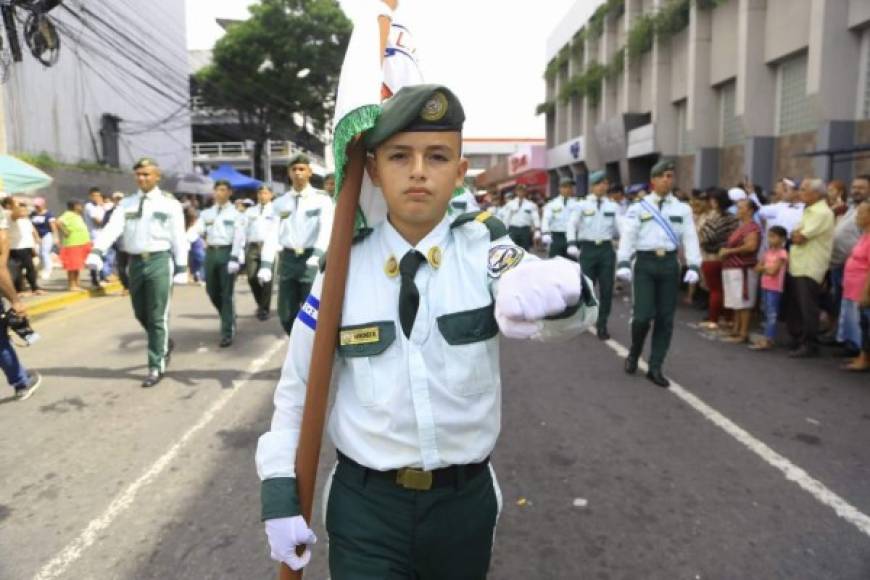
point(463, 201)
point(654, 229)
point(258, 224)
point(522, 219)
point(302, 236)
point(329, 184)
point(152, 225)
point(591, 236)
point(557, 219)
point(418, 388)
point(218, 226)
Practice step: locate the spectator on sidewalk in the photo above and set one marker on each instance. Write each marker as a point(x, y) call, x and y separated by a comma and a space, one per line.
point(855, 311)
point(46, 226)
point(788, 211)
point(23, 244)
point(837, 198)
point(94, 215)
point(712, 236)
point(812, 241)
point(196, 254)
point(772, 267)
point(122, 258)
point(75, 242)
point(739, 278)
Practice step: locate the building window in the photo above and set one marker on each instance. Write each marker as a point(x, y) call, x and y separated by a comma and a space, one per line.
point(109, 132)
point(684, 146)
point(730, 130)
point(795, 109)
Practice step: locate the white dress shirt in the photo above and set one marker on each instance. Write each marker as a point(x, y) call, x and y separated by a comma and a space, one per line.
point(595, 220)
point(304, 221)
point(522, 214)
point(643, 233)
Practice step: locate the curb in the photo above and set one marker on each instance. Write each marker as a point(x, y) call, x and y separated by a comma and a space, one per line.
point(55, 303)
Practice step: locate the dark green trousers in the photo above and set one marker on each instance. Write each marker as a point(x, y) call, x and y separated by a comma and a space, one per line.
point(150, 287)
point(599, 264)
point(380, 531)
point(521, 236)
point(219, 285)
point(294, 284)
point(559, 246)
point(656, 287)
point(262, 292)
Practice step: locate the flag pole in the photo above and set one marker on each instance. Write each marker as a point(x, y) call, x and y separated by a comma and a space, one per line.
point(328, 321)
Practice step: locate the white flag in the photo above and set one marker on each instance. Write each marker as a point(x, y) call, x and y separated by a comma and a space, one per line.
point(364, 83)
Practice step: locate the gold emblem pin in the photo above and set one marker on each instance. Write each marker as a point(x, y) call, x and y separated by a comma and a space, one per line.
point(391, 268)
point(434, 257)
point(435, 108)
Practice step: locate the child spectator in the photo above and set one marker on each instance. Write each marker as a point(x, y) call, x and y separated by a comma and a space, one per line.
point(773, 266)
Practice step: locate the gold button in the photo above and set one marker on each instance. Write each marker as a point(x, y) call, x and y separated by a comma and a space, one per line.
point(391, 268)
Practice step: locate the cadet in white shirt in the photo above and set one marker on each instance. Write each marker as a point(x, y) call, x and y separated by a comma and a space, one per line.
point(522, 219)
point(591, 235)
point(218, 226)
point(302, 236)
point(655, 228)
point(558, 217)
point(259, 223)
point(418, 388)
point(152, 225)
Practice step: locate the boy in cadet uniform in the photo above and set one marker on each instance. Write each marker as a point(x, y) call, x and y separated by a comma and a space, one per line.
point(152, 225)
point(418, 389)
point(654, 229)
point(218, 225)
point(301, 236)
point(557, 220)
point(258, 224)
point(522, 219)
point(591, 237)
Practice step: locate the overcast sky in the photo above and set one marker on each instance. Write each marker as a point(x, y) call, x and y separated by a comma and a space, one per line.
point(490, 52)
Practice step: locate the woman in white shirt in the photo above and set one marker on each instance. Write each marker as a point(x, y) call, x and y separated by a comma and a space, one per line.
point(23, 241)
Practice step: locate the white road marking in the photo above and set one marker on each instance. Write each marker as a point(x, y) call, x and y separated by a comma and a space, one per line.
point(791, 471)
point(60, 563)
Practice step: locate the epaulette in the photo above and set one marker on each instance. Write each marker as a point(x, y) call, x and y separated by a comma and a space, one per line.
point(360, 235)
point(168, 194)
point(496, 228)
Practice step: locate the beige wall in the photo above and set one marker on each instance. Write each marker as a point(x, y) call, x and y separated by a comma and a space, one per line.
point(862, 135)
point(786, 163)
point(787, 28)
point(646, 83)
point(859, 12)
point(679, 65)
point(723, 52)
point(731, 165)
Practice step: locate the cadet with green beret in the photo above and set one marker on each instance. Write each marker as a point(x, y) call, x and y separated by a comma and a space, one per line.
point(522, 218)
point(558, 213)
point(654, 229)
point(152, 225)
point(591, 237)
point(417, 384)
point(301, 237)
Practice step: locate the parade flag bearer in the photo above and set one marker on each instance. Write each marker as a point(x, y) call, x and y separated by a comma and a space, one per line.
point(655, 229)
point(417, 406)
point(592, 233)
point(219, 226)
point(152, 225)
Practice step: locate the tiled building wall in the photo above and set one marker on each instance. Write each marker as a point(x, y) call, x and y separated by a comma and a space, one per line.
point(786, 164)
point(731, 165)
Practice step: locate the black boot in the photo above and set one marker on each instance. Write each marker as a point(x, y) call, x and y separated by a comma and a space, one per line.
point(657, 378)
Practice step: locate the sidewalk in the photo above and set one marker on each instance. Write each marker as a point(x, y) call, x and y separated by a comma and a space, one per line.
point(57, 296)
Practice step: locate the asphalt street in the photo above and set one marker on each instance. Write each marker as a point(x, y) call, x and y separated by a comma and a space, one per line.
point(754, 466)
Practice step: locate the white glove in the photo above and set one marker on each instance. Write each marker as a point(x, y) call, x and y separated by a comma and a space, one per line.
point(547, 239)
point(233, 267)
point(574, 251)
point(313, 262)
point(285, 534)
point(180, 278)
point(534, 290)
point(537, 235)
point(691, 277)
point(94, 262)
point(624, 274)
point(264, 275)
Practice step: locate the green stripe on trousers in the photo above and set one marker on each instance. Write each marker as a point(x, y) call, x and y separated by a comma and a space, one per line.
point(219, 285)
point(150, 287)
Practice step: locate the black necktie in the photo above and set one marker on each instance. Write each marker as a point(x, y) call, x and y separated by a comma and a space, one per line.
point(409, 296)
point(141, 206)
point(599, 203)
point(661, 203)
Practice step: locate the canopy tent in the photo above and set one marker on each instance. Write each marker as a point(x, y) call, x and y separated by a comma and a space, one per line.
point(20, 177)
point(237, 180)
point(194, 183)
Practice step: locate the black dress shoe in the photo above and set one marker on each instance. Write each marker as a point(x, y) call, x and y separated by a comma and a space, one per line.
point(657, 378)
point(804, 352)
point(154, 377)
point(603, 334)
point(226, 341)
point(262, 315)
point(630, 365)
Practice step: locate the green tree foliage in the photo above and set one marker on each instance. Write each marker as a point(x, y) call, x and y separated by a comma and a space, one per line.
point(546, 108)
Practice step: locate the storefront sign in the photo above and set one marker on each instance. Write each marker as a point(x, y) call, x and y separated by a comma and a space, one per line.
point(566, 154)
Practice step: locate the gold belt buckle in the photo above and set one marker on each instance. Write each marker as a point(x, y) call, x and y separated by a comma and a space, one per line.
point(299, 251)
point(415, 479)
point(660, 253)
point(145, 255)
point(598, 242)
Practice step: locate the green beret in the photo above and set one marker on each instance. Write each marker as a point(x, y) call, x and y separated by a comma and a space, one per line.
point(145, 162)
point(299, 159)
point(417, 108)
point(597, 177)
point(662, 166)
point(567, 181)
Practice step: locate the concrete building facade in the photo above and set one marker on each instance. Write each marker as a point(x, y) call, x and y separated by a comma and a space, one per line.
point(732, 89)
point(118, 92)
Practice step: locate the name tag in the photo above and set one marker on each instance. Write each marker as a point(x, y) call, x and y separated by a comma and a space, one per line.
point(357, 336)
point(609, 214)
point(229, 223)
point(312, 212)
point(131, 215)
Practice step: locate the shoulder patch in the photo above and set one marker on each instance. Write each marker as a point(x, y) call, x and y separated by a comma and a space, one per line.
point(497, 229)
point(503, 258)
